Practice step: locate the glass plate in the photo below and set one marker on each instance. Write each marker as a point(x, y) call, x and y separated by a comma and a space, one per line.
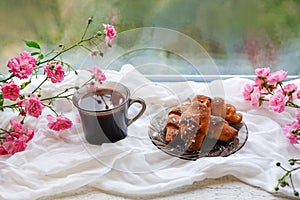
point(157, 135)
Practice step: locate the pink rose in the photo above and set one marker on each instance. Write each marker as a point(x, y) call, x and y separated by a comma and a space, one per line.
point(255, 98)
point(290, 88)
point(277, 102)
point(258, 82)
point(277, 77)
point(55, 72)
point(10, 90)
point(22, 112)
point(248, 89)
point(58, 123)
point(33, 106)
point(16, 140)
point(110, 33)
point(12, 135)
point(98, 74)
point(2, 150)
point(262, 72)
point(13, 145)
point(289, 130)
point(22, 66)
point(298, 94)
point(16, 126)
point(27, 136)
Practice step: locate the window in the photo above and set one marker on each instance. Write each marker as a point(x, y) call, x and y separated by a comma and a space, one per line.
point(237, 36)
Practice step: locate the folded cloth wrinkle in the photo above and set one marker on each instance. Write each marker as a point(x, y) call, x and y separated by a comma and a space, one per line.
point(59, 162)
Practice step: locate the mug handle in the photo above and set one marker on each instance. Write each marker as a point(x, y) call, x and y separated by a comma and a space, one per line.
point(140, 101)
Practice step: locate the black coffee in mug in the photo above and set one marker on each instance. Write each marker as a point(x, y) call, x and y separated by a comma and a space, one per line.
point(102, 99)
point(104, 111)
point(113, 123)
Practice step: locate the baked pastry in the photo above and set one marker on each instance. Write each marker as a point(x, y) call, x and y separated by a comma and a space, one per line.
point(220, 129)
point(195, 122)
point(172, 125)
point(218, 107)
point(227, 111)
point(202, 117)
point(232, 115)
point(189, 125)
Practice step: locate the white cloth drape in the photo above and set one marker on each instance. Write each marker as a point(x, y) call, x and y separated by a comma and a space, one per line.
point(58, 162)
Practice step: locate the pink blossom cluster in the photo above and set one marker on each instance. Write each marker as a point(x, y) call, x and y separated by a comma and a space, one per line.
point(10, 90)
point(292, 130)
point(98, 74)
point(24, 67)
point(110, 33)
point(32, 105)
point(17, 138)
point(59, 122)
point(269, 87)
point(55, 72)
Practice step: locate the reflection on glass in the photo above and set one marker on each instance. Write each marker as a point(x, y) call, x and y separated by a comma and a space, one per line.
point(239, 35)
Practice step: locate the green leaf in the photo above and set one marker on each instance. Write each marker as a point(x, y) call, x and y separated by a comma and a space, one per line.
point(35, 53)
point(22, 96)
point(24, 84)
point(32, 44)
point(41, 57)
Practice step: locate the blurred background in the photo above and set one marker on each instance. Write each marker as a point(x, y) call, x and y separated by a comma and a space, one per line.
point(239, 35)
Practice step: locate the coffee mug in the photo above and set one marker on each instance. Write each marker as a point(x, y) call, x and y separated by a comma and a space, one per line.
point(103, 110)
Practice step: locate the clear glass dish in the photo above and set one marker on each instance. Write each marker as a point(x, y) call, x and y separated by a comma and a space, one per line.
point(157, 135)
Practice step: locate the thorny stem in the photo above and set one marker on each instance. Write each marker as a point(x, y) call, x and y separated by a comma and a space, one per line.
point(50, 107)
point(12, 106)
point(86, 28)
point(51, 52)
point(57, 97)
point(288, 173)
point(39, 85)
point(70, 67)
point(3, 131)
point(67, 49)
point(292, 104)
point(280, 84)
point(88, 49)
point(63, 50)
point(4, 80)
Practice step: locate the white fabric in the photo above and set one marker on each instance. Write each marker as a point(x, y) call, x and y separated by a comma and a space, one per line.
point(64, 162)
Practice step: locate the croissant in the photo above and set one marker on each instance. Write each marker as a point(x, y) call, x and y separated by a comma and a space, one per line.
point(195, 122)
point(172, 124)
point(220, 129)
point(201, 117)
point(232, 115)
point(199, 111)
